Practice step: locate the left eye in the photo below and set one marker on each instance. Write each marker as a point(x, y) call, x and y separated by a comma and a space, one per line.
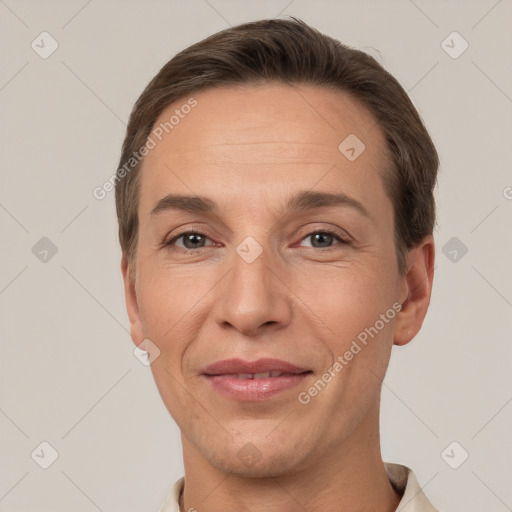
point(190, 240)
point(320, 238)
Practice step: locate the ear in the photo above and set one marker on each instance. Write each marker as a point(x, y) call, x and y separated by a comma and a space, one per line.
point(132, 306)
point(416, 291)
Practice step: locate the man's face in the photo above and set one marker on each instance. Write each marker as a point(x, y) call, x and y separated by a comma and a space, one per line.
point(324, 274)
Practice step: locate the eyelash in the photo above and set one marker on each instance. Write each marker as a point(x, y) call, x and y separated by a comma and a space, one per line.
point(333, 232)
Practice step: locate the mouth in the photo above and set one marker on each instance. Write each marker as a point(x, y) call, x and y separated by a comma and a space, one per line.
point(256, 381)
point(263, 375)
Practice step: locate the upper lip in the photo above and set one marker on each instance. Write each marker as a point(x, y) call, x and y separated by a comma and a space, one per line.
point(236, 365)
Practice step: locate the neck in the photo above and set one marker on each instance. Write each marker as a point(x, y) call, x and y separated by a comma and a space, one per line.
point(347, 476)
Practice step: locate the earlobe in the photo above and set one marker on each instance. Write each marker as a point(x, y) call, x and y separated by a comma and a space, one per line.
point(132, 306)
point(418, 286)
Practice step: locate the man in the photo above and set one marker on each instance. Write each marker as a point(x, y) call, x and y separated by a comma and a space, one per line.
point(276, 210)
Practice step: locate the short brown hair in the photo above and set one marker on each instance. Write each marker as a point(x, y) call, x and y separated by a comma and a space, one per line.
point(291, 52)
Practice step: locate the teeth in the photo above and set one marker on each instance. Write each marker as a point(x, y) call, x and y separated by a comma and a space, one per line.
point(264, 375)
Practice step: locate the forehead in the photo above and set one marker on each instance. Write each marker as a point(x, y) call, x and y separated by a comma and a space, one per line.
point(261, 138)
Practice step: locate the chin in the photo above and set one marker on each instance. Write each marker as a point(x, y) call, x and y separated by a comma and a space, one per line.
point(251, 462)
point(261, 469)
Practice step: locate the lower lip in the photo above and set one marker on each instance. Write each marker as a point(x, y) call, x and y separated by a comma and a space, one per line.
point(254, 390)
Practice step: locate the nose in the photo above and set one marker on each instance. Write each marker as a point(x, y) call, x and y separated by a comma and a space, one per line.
point(253, 298)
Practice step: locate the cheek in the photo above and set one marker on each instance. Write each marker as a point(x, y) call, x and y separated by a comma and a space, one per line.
point(349, 303)
point(168, 307)
point(165, 296)
point(347, 300)
point(171, 307)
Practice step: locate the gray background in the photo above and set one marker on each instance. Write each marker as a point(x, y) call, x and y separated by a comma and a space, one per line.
point(68, 375)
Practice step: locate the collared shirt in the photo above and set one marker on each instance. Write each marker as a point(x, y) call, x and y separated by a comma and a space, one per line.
point(401, 477)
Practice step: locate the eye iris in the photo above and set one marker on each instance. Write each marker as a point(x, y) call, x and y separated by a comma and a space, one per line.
point(321, 238)
point(192, 238)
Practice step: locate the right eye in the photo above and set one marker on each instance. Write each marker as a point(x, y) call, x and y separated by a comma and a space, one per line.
point(191, 240)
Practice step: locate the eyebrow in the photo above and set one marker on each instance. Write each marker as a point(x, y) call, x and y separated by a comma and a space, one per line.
point(184, 203)
point(302, 201)
point(308, 200)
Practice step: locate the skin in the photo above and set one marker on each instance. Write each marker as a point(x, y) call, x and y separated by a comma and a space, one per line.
point(249, 148)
